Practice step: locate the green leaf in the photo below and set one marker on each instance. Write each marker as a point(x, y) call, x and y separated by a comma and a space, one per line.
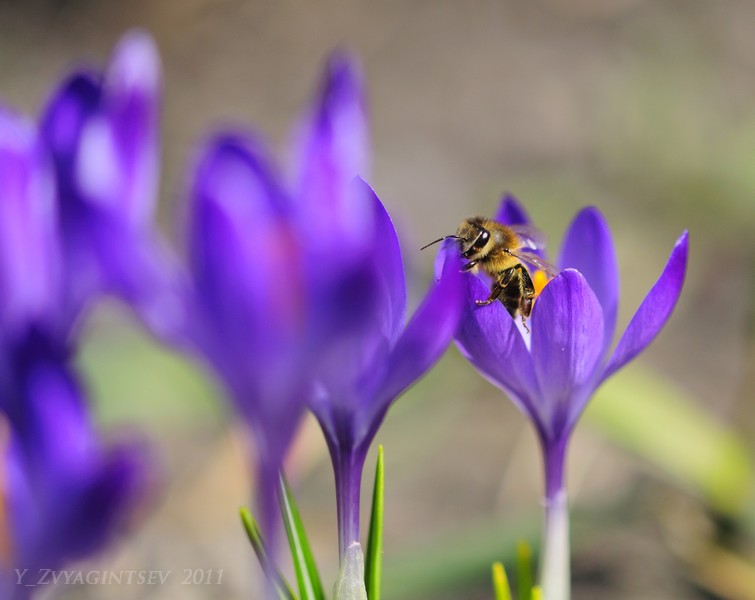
point(373, 573)
point(537, 593)
point(659, 421)
point(500, 582)
point(307, 577)
point(255, 537)
point(524, 576)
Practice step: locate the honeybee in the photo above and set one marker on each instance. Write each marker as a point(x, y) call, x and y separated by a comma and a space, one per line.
point(500, 251)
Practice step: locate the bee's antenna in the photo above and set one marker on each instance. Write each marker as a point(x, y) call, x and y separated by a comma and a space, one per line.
point(448, 237)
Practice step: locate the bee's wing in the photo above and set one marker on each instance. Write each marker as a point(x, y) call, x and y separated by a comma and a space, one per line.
point(530, 237)
point(534, 260)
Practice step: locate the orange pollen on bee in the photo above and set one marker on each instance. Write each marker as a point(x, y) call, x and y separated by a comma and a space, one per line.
point(539, 281)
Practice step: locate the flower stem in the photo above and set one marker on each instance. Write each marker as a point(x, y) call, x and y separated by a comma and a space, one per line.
point(347, 466)
point(555, 568)
point(268, 473)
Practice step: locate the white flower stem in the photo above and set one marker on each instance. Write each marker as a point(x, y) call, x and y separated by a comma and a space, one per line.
point(350, 584)
point(555, 568)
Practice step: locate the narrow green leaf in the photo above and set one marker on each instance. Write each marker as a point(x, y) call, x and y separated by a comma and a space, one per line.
point(373, 572)
point(524, 576)
point(307, 577)
point(255, 537)
point(501, 587)
point(537, 593)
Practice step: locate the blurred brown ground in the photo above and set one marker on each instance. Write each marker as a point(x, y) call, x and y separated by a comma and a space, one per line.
point(643, 108)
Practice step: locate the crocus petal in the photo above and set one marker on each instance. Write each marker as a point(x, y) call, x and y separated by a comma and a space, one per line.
point(66, 494)
point(130, 129)
point(511, 212)
point(29, 262)
point(387, 251)
point(106, 503)
point(249, 286)
point(331, 150)
point(242, 255)
point(567, 334)
point(424, 340)
point(489, 338)
point(654, 311)
point(588, 248)
point(62, 123)
point(103, 133)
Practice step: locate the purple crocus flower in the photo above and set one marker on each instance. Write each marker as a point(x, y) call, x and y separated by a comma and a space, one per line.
point(552, 374)
point(63, 494)
point(102, 130)
point(368, 356)
point(275, 267)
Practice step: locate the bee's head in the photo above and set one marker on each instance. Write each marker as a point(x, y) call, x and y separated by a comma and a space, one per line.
point(473, 238)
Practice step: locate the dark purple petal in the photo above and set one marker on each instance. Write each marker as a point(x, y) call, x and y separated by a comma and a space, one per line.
point(588, 248)
point(63, 121)
point(387, 251)
point(489, 338)
point(429, 331)
point(654, 311)
point(29, 249)
point(332, 149)
point(567, 335)
point(359, 300)
point(511, 212)
point(66, 494)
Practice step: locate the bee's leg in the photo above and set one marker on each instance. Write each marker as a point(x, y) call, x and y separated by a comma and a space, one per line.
point(469, 266)
point(505, 276)
point(495, 291)
point(527, 295)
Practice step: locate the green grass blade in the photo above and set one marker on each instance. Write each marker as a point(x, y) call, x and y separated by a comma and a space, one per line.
point(255, 537)
point(524, 576)
point(307, 577)
point(537, 593)
point(373, 572)
point(501, 587)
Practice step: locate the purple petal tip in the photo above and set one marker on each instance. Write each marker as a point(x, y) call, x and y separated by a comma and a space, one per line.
point(511, 211)
point(136, 62)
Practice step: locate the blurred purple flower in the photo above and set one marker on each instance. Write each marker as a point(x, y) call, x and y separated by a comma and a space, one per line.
point(102, 129)
point(275, 269)
point(365, 354)
point(551, 375)
point(361, 375)
point(63, 493)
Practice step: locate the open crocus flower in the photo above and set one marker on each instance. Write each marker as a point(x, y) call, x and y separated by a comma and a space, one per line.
point(552, 375)
point(102, 130)
point(62, 493)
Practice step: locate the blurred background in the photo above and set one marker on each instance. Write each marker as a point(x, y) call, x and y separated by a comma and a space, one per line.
point(642, 108)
